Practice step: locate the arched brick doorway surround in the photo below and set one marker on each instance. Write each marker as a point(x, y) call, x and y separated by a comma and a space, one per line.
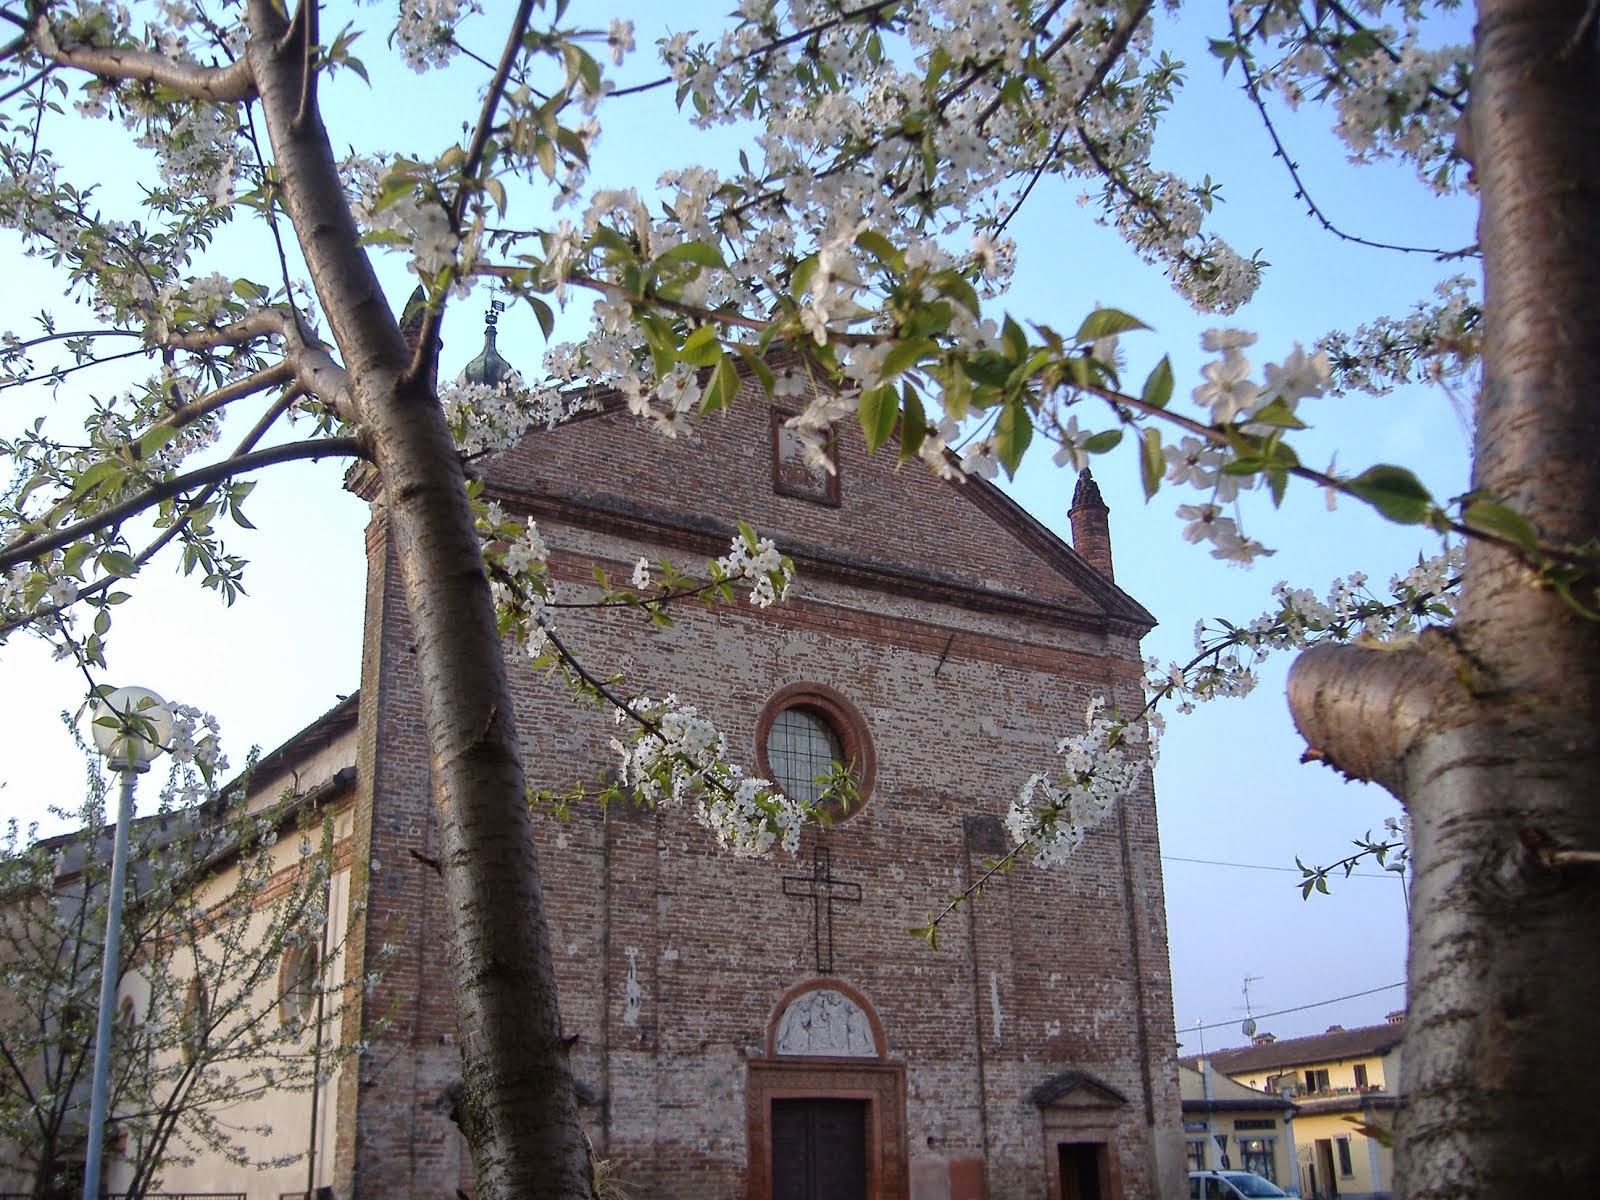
point(816, 1017)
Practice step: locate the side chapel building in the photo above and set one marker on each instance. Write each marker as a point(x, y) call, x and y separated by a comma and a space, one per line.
point(770, 1030)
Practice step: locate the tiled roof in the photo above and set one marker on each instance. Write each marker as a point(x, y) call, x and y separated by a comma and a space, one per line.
point(1333, 1046)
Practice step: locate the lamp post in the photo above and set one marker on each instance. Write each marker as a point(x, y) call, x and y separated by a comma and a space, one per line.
point(130, 727)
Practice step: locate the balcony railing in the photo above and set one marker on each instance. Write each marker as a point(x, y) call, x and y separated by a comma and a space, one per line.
point(1298, 1091)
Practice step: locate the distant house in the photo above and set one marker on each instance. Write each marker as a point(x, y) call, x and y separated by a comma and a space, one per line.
point(1227, 1125)
point(1344, 1085)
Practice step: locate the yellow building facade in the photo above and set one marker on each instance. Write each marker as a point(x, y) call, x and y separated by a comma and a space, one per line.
point(1343, 1086)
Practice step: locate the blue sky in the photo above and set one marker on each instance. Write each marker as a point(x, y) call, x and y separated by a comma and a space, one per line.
point(1230, 786)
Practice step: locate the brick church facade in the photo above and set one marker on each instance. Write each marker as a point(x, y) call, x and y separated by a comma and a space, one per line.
point(769, 1029)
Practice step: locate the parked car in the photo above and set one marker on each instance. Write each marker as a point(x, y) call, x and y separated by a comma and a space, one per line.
point(1231, 1185)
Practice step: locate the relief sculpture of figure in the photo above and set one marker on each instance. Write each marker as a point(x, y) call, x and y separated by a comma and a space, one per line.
point(825, 1023)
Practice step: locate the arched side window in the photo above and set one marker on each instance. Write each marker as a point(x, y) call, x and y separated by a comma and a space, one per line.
point(297, 984)
point(196, 1018)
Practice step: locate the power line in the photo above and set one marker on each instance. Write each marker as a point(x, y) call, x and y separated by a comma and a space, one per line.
point(1388, 987)
point(1211, 862)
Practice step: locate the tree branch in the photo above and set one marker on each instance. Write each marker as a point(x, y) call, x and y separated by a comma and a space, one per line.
point(237, 390)
point(235, 82)
point(1252, 89)
point(424, 354)
point(59, 373)
point(1362, 710)
point(360, 318)
point(262, 323)
point(799, 35)
point(29, 549)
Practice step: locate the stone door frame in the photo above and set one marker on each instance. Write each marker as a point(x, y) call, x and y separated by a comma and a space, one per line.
point(881, 1083)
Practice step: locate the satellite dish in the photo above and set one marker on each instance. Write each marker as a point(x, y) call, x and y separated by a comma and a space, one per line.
point(1249, 1027)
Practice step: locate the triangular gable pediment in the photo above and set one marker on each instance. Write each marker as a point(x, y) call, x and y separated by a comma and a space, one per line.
point(897, 528)
point(1076, 1089)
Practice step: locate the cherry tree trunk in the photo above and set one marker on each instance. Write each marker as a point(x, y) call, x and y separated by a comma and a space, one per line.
point(1490, 733)
point(519, 1113)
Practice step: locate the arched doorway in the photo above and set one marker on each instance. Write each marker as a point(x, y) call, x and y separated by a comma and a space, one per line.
point(825, 1107)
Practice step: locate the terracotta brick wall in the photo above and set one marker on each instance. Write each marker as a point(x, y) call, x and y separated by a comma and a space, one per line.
point(967, 653)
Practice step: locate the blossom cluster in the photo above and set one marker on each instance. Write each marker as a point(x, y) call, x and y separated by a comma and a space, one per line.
point(755, 561)
point(1233, 397)
point(426, 31)
point(519, 577)
point(1235, 400)
point(876, 124)
point(487, 418)
point(1100, 767)
point(1396, 96)
point(678, 757)
point(1438, 342)
point(1227, 654)
point(421, 222)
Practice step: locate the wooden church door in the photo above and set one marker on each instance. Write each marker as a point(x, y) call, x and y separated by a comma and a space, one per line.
point(819, 1149)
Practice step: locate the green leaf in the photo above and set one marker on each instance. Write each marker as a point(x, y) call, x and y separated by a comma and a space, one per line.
point(1012, 433)
point(1103, 322)
point(496, 192)
point(155, 438)
point(905, 354)
point(1016, 341)
point(95, 476)
point(913, 422)
point(117, 562)
point(758, 367)
point(701, 348)
point(698, 253)
point(957, 394)
point(72, 558)
point(881, 248)
point(382, 237)
point(722, 389)
point(1158, 388)
point(1393, 491)
point(987, 368)
point(661, 339)
point(955, 285)
point(1277, 414)
point(544, 314)
point(803, 271)
point(1277, 483)
point(1101, 442)
point(879, 408)
point(1489, 517)
point(1152, 463)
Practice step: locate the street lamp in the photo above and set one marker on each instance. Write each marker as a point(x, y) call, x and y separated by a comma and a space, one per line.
point(130, 727)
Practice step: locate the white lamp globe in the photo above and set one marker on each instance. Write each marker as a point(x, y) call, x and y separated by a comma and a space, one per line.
point(130, 727)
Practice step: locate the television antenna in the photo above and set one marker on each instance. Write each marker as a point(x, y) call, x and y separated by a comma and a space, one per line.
point(1248, 1028)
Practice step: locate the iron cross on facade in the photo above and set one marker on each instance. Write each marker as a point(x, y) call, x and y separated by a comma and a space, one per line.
point(824, 891)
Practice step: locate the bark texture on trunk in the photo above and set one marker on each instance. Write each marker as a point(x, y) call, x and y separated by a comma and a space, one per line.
point(519, 1115)
point(1489, 733)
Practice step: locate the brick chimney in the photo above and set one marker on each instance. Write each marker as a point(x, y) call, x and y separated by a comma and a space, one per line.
point(1263, 1039)
point(1091, 531)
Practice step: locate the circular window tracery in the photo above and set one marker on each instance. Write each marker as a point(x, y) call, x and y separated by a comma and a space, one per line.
point(806, 733)
point(804, 751)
